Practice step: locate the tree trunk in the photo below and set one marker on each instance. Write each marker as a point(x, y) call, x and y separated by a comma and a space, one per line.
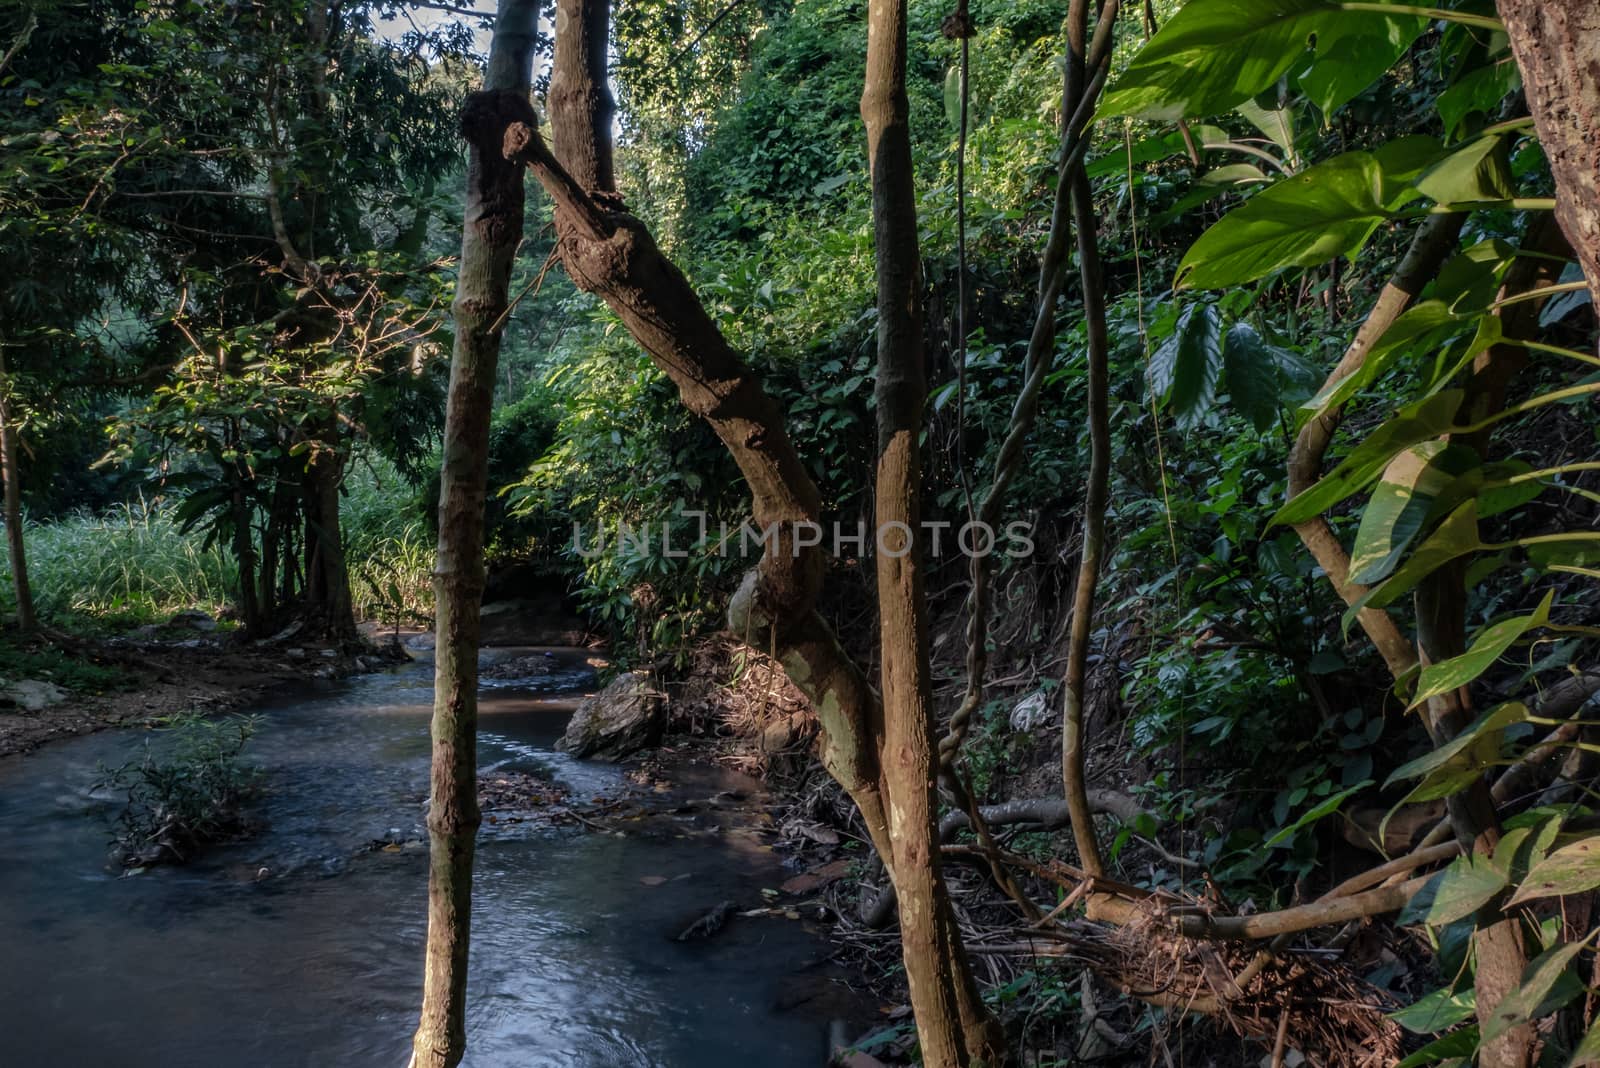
point(1554, 42)
point(608, 252)
point(1441, 602)
point(26, 621)
point(489, 240)
point(951, 1022)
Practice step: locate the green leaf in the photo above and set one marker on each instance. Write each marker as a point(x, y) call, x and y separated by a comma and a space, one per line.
point(1401, 504)
point(1469, 883)
point(952, 97)
point(1481, 170)
point(1119, 159)
point(1587, 1053)
point(1315, 813)
point(1418, 422)
point(1324, 211)
point(1456, 672)
point(1455, 537)
point(1231, 178)
point(1436, 1011)
point(1539, 994)
point(1462, 1043)
point(1186, 367)
point(1477, 92)
point(1252, 376)
point(1419, 328)
point(1215, 54)
point(1569, 870)
point(1343, 71)
point(1276, 124)
point(1446, 769)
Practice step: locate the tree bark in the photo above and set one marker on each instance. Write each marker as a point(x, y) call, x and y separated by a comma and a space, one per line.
point(489, 241)
point(951, 1022)
point(608, 252)
point(27, 622)
point(1554, 42)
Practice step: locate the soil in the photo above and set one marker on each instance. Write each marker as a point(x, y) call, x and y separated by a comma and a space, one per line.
point(165, 676)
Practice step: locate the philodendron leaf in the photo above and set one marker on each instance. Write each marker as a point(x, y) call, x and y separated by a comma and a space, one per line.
point(1463, 888)
point(1427, 418)
point(1325, 211)
point(1480, 170)
point(1541, 993)
point(1401, 504)
point(1477, 92)
point(1434, 1012)
point(1455, 537)
point(1186, 367)
point(1351, 64)
point(1569, 870)
point(1448, 768)
point(1456, 672)
point(1215, 54)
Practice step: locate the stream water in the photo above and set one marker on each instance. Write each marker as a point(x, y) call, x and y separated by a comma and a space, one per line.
point(316, 960)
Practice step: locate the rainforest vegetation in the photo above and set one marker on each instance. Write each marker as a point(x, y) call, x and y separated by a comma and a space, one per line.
point(1260, 336)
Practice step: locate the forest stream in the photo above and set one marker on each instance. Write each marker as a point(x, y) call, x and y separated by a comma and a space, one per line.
point(303, 945)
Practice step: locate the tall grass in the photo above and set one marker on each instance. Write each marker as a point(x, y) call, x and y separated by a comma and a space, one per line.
point(388, 546)
point(132, 565)
point(129, 565)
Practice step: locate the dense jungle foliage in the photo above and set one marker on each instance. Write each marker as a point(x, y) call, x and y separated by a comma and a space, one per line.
point(225, 328)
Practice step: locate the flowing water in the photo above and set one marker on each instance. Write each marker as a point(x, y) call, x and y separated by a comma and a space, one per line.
point(303, 946)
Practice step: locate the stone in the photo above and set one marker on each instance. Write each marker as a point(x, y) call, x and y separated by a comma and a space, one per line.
point(193, 619)
point(34, 695)
point(626, 716)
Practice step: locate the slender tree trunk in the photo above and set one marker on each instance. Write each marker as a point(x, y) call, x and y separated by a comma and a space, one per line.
point(1441, 602)
point(1555, 43)
point(943, 993)
point(335, 605)
point(489, 240)
point(26, 621)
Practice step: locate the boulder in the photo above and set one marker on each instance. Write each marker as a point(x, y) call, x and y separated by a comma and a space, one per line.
point(192, 619)
point(626, 716)
point(32, 695)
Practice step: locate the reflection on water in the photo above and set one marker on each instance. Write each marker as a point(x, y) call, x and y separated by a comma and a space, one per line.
point(299, 948)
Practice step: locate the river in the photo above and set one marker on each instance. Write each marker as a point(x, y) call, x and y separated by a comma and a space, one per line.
point(302, 946)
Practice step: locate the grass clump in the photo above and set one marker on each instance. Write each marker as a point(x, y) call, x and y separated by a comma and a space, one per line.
point(187, 795)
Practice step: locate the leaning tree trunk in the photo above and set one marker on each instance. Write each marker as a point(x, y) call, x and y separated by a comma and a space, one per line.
point(1555, 44)
point(489, 241)
point(26, 621)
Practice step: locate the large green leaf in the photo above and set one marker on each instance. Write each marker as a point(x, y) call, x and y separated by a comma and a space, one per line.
point(1186, 367)
point(1401, 504)
point(1456, 672)
point(1215, 54)
point(1325, 211)
point(1254, 376)
point(1342, 71)
point(1479, 170)
point(1418, 422)
point(1468, 884)
point(1569, 870)
point(1541, 993)
point(1477, 92)
point(1455, 537)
